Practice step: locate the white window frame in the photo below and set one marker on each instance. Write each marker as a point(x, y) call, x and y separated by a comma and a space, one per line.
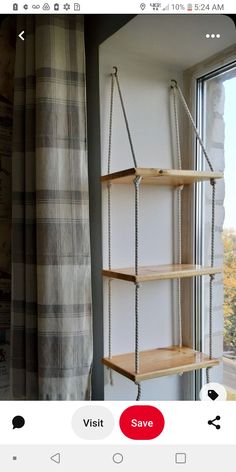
point(194, 82)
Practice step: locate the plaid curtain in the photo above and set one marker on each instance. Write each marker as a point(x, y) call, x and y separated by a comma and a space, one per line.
point(5, 243)
point(51, 346)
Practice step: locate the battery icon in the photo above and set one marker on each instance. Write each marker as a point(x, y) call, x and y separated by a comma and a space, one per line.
point(190, 7)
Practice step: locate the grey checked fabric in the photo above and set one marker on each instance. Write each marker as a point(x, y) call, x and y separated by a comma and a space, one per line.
point(5, 243)
point(51, 280)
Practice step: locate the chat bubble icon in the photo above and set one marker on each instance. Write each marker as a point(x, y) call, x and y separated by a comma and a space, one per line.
point(18, 422)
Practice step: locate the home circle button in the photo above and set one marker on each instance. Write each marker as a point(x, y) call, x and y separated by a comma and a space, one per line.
point(142, 422)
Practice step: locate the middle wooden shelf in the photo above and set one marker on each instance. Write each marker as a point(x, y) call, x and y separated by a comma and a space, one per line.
point(160, 272)
point(157, 176)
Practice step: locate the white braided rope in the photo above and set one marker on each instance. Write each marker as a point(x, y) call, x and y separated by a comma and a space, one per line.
point(177, 134)
point(125, 116)
point(192, 123)
point(179, 211)
point(212, 277)
point(115, 79)
point(179, 196)
point(213, 183)
point(139, 393)
point(109, 229)
point(137, 182)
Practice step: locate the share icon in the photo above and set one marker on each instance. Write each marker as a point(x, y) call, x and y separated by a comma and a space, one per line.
point(212, 422)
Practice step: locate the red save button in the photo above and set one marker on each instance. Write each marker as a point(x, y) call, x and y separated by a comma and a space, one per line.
point(142, 422)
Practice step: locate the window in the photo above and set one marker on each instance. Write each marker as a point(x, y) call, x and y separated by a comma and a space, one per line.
point(217, 100)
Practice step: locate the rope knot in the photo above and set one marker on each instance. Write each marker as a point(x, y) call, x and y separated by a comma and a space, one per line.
point(213, 182)
point(212, 277)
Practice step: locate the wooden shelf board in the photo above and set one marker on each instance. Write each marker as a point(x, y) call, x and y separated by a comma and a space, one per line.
point(161, 272)
point(158, 176)
point(160, 362)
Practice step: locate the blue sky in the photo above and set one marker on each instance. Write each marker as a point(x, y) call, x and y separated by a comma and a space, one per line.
point(230, 154)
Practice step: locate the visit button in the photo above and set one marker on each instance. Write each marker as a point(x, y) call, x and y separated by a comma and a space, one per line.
point(142, 422)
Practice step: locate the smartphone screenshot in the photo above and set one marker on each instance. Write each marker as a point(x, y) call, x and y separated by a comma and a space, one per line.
point(117, 236)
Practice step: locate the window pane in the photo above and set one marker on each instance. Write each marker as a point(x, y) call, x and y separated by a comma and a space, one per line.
point(220, 126)
point(229, 237)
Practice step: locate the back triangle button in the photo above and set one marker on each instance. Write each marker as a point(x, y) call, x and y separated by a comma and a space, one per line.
point(56, 458)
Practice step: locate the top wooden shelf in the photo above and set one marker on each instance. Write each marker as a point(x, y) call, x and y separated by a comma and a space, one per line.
point(162, 272)
point(155, 176)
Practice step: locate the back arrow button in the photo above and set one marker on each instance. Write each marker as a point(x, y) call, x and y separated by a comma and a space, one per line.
point(21, 35)
point(56, 458)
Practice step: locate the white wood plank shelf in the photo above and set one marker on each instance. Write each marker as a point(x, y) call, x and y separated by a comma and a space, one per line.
point(161, 272)
point(159, 362)
point(157, 176)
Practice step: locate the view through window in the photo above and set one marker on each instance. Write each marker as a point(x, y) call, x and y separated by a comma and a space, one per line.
point(229, 236)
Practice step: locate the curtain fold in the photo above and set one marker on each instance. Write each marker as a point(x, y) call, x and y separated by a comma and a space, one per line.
point(51, 273)
point(7, 60)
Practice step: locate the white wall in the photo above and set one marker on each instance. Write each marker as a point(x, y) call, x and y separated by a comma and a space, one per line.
point(145, 87)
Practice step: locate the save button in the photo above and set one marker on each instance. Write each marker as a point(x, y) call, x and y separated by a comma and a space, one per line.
point(142, 422)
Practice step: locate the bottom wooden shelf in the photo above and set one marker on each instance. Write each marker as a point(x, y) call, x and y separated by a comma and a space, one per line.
point(159, 362)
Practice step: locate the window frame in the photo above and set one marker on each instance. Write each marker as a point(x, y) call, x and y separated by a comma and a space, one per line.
point(196, 80)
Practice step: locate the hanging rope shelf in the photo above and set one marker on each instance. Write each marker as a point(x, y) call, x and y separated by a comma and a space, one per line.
point(144, 365)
